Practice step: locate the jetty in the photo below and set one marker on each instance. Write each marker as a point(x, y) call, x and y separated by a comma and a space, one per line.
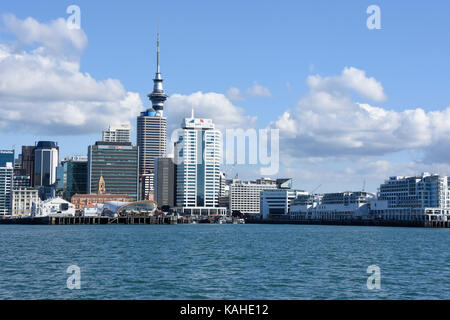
point(352, 222)
point(80, 220)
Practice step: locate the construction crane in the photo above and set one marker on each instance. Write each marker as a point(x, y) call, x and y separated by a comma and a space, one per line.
point(315, 189)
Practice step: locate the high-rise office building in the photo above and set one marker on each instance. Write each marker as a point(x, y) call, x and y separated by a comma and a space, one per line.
point(73, 176)
point(198, 155)
point(6, 156)
point(46, 158)
point(28, 162)
point(151, 133)
point(165, 182)
point(117, 133)
point(117, 163)
point(6, 184)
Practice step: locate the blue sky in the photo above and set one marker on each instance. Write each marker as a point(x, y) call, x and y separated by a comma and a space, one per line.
point(212, 46)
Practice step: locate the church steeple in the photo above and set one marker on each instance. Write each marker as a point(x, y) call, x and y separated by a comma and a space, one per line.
point(101, 186)
point(158, 96)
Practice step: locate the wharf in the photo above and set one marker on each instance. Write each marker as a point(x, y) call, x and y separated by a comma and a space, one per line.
point(354, 222)
point(93, 220)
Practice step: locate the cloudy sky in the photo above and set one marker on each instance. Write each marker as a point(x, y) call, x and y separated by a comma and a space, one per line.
point(352, 105)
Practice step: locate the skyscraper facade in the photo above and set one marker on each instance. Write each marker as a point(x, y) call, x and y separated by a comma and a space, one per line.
point(74, 176)
point(117, 163)
point(151, 134)
point(117, 133)
point(6, 185)
point(28, 162)
point(165, 182)
point(46, 158)
point(6, 156)
point(198, 155)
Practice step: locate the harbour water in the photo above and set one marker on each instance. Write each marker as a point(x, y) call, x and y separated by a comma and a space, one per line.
point(207, 261)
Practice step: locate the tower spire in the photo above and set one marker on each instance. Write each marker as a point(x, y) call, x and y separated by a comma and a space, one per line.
point(158, 96)
point(157, 53)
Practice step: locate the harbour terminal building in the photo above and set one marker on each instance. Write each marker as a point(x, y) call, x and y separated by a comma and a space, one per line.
point(331, 206)
point(420, 198)
point(399, 198)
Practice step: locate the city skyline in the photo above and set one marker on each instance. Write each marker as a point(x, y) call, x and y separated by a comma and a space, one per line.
point(242, 81)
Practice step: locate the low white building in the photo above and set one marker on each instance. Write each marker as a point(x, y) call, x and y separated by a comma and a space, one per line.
point(332, 206)
point(22, 200)
point(245, 196)
point(55, 207)
point(277, 202)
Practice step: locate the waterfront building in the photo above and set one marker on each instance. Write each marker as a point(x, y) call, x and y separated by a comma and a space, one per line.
point(152, 133)
point(117, 164)
point(22, 201)
point(46, 159)
point(198, 154)
point(277, 202)
point(116, 208)
point(73, 176)
point(55, 207)
point(6, 184)
point(117, 133)
point(332, 206)
point(165, 182)
point(6, 156)
point(85, 200)
point(245, 196)
point(21, 179)
point(418, 198)
point(28, 162)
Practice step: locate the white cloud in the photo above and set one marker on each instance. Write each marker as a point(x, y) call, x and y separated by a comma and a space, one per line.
point(256, 90)
point(42, 89)
point(327, 123)
point(350, 78)
point(234, 94)
point(208, 105)
point(54, 35)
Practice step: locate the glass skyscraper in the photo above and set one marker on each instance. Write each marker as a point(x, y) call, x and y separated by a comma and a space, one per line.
point(118, 164)
point(73, 177)
point(6, 156)
point(46, 158)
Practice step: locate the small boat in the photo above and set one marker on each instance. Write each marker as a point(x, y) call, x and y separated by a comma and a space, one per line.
point(221, 221)
point(238, 221)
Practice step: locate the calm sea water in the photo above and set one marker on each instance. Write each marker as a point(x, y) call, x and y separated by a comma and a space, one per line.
point(223, 262)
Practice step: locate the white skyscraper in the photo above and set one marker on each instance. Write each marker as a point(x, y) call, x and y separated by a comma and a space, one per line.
point(151, 134)
point(117, 133)
point(198, 155)
point(6, 183)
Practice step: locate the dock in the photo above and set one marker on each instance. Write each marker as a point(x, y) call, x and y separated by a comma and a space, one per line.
point(354, 222)
point(134, 220)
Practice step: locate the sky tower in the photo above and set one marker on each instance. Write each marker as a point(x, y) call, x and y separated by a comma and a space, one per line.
point(152, 134)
